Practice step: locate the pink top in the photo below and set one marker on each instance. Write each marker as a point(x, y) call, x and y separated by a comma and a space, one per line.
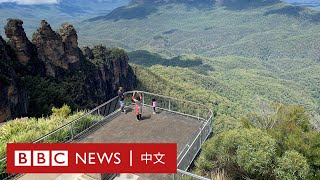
point(154, 103)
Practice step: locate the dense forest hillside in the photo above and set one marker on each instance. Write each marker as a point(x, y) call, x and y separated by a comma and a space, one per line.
point(268, 51)
point(51, 70)
point(76, 11)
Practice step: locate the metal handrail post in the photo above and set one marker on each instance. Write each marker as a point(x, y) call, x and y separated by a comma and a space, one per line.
point(198, 112)
point(71, 131)
point(200, 138)
point(143, 98)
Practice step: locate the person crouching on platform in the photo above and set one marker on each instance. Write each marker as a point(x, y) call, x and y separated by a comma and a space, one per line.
point(138, 105)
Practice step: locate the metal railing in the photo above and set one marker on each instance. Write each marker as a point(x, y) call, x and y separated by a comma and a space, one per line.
point(191, 109)
point(77, 127)
point(187, 176)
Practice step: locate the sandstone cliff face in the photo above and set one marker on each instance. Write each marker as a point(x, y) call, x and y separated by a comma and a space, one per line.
point(111, 70)
point(50, 49)
point(59, 52)
point(4, 51)
point(113, 66)
point(70, 41)
point(87, 52)
point(18, 40)
point(13, 98)
point(54, 62)
point(5, 111)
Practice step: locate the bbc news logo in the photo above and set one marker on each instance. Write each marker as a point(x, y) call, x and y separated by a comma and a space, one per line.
point(40, 158)
point(92, 158)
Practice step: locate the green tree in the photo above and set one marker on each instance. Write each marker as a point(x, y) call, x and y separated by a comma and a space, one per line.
point(292, 131)
point(292, 165)
point(242, 152)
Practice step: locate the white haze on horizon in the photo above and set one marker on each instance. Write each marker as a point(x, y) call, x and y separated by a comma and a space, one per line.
point(29, 2)
point(308, 3)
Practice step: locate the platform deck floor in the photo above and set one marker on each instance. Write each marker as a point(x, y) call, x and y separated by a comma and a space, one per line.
point(162, 127)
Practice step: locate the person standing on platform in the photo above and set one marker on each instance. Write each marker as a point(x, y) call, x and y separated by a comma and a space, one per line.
point(154, 105)
point(138, 105)
point(121, 100)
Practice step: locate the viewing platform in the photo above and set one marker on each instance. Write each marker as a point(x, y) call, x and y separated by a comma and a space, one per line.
point(176, 121)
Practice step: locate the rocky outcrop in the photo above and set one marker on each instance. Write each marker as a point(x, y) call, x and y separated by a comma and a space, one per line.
point(18, 40)
point(56, 67)
point(59, 51)
point(50, 49)
point(4, 51)
point(87, 52)
point(70, 41)
point(113, 66)
point(109, 69)
point(13, 101)
point(4, 82)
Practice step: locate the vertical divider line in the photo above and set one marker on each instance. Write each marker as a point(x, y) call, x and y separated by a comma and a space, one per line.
point(130, 158)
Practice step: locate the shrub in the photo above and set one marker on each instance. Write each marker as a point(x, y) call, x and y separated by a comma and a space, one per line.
point(242, 151)
point(219, 175)
point(62, 112)
point(292, 132)
point(292, 165)
point(224, 123)
point(29, 130)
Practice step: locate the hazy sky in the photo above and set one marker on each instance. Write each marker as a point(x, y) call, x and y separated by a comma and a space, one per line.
point(32, 1)
point(302, 2)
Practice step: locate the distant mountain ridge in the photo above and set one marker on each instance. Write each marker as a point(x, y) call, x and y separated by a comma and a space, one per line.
point(71, 11)
point(305, 3)
point(221, 2)
point(76, 11)
point(139, 9)
point(71, 6)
